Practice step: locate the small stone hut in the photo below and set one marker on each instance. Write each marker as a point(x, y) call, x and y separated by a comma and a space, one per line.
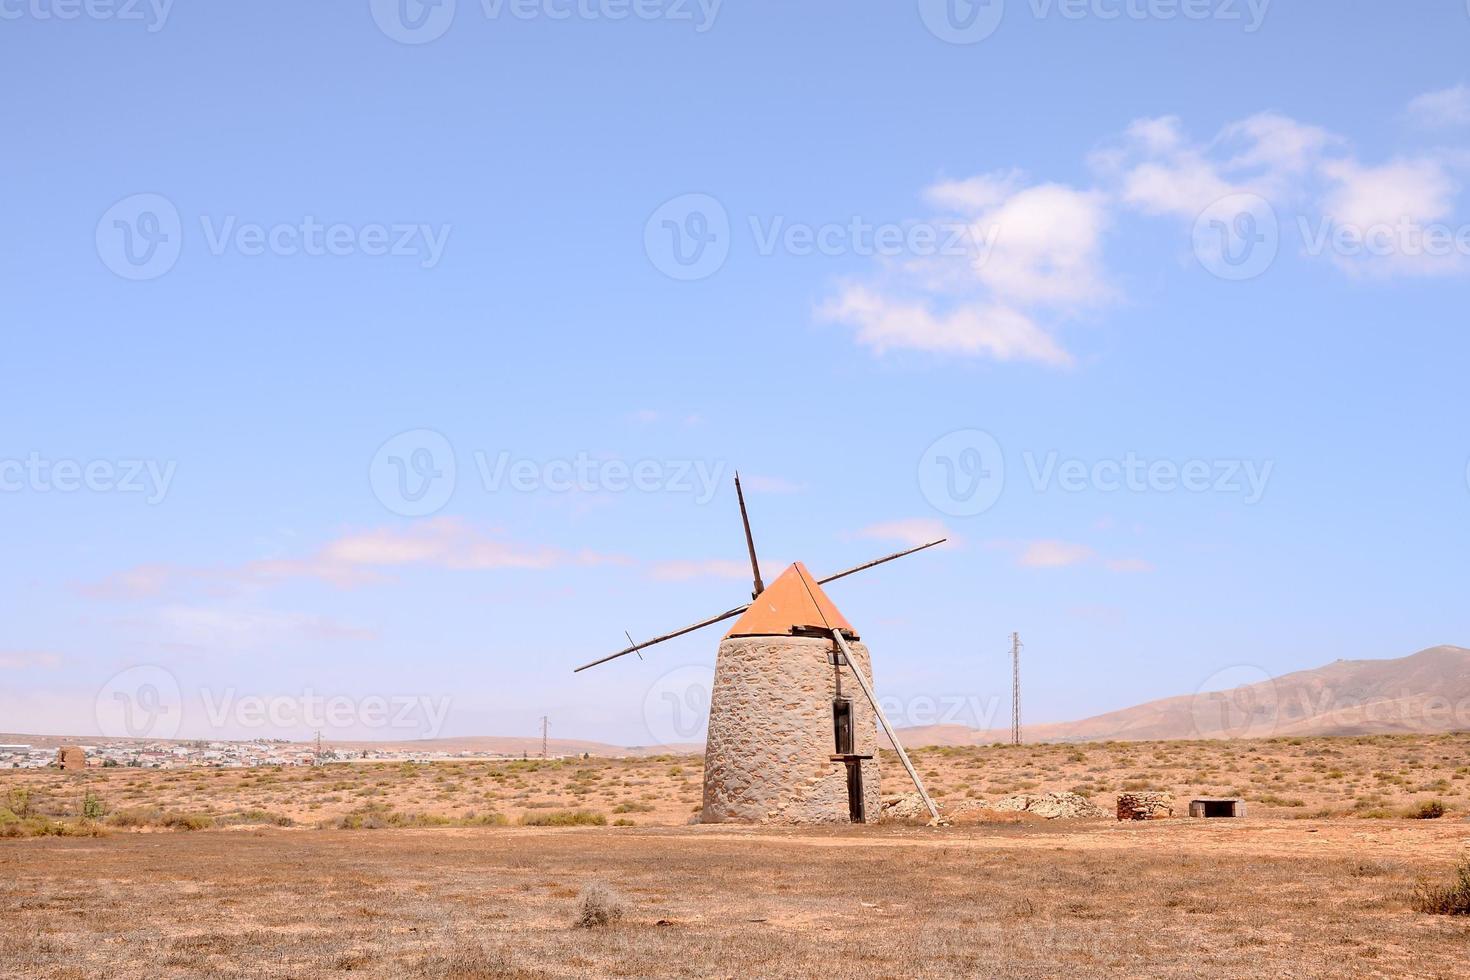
point(71, 758)
point(1145, 806)
point(792, 739)
point(1215, 807)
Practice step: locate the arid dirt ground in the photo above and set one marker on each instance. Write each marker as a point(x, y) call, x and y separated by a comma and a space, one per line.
point(1317, 882)
point(1177, 898)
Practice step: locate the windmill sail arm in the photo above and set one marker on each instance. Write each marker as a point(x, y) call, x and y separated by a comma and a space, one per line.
point(740, 609)
point(878, 561)
point(667, 636)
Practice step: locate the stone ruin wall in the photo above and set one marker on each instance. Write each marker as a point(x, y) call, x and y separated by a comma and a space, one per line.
point(768, 755)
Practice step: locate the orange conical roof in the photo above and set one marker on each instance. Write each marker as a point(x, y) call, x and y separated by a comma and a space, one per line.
point(794, 603)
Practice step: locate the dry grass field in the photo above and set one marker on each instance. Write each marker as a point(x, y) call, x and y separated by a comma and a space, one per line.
point(287, 875)
point(1360, 777)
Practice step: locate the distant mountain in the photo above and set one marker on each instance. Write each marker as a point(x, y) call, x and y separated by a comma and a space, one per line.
point(1423, 693)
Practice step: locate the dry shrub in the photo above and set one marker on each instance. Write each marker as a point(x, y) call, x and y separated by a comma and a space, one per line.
point(1451, 899)
point(565, 818)
point(1429, 810)
point(598, 905)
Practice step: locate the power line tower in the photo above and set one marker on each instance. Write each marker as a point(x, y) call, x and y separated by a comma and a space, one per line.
point(318, 757)
point(545, 724)
point(1015, 688)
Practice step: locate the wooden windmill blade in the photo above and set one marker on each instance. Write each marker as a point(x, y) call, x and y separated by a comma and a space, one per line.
point(732, 613)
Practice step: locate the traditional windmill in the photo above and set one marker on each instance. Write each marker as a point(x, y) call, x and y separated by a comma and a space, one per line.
point(788, 742)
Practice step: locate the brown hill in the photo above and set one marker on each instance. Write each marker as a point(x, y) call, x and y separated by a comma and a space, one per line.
point(1423, 693)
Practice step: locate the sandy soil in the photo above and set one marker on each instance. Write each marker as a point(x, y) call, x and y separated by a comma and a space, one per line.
point(1176, 898)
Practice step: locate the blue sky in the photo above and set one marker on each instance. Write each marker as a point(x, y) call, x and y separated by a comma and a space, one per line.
point(959, 275)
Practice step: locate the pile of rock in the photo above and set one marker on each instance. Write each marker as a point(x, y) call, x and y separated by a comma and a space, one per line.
point(1145, 806)
point(71, 758)
point(1052, 806)
point(905, 806)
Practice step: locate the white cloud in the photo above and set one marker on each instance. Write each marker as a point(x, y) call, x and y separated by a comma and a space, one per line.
point(1028, 250)
point(28, 659)
point(1443, 109)
point(1160, 171)
point(353, 560)
point(1129, 565)
point(1055, 554)
point(884, 324)
point(1045, 246)
point(1419, 191)
point(909, 531)
point(973, 194)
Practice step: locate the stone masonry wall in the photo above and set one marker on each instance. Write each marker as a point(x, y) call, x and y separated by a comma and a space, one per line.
point(768, 754)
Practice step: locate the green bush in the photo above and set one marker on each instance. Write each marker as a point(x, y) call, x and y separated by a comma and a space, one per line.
point(92, 806)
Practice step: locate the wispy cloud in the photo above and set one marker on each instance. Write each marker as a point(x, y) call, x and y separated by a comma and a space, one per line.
point(28, 660)
point(909, 531)
point(1442, 109)
point(1031, 254)
point(1054, 554)
point(1046, 553)
point(1032, 260)
point(353, 560)
point(1129, 565)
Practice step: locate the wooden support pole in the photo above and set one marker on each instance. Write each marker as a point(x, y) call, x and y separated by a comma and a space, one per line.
point(903, 756)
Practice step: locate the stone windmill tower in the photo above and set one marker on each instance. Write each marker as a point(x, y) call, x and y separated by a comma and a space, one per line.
point(792, 736)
